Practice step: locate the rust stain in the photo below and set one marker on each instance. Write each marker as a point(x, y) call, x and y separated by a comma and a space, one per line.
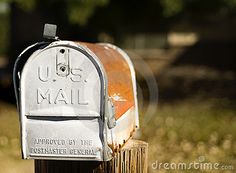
point(120, 87)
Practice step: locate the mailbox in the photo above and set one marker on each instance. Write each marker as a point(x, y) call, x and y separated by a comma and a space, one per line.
point(77, 101)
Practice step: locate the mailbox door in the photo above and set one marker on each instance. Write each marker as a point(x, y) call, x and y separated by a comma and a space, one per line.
point(62, 92)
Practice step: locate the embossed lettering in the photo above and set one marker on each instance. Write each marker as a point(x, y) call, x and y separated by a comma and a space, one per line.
point(41, 96)
point(83, 151)
point(76, 74)
point(61, 97)
point(47, 141)
point(47, 74)
point(59, 151)
point(86, 142)
point(72, 142)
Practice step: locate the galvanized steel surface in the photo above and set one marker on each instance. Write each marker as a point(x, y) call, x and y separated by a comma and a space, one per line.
point(67, 93)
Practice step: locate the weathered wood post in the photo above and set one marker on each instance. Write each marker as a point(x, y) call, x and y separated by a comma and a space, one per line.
point(132, 158)
point(78, 107)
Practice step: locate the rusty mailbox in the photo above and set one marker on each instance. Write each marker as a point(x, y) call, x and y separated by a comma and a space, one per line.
point(77, 101)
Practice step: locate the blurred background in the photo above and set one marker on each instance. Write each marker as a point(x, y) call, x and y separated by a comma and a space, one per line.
point(184, 53)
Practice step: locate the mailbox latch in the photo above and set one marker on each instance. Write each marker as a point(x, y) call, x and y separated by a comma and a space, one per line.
point(62, 62)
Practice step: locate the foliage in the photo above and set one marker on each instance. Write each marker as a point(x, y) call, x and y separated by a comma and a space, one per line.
point(4, 28)
point(80, 11)
point(171, 7)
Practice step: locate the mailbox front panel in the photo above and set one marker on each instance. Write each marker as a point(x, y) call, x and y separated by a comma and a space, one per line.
point(61, 81)
point(61, 105)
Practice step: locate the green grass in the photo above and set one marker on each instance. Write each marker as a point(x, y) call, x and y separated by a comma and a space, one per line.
point(179, 132)
point(186, 130)
point(10, 154)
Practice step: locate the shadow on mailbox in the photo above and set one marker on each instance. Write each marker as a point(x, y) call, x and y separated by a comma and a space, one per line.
point(77, 101)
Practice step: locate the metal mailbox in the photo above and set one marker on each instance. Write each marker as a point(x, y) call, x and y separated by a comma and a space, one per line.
point(77, 101)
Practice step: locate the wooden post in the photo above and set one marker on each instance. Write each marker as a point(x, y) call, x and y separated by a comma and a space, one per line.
point(132, 158)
